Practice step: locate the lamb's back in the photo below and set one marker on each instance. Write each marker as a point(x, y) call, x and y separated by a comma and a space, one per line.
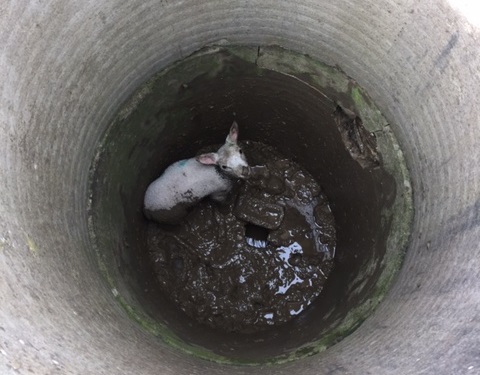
point(183, 182)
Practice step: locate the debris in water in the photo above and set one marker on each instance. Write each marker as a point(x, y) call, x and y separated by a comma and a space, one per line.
point(360, 143)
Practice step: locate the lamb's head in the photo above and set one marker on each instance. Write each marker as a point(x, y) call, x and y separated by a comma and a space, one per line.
point(230, 157)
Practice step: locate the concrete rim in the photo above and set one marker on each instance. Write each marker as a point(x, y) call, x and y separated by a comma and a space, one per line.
point(67, 66)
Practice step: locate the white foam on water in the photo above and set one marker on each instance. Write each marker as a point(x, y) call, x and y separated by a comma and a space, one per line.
point(296, 312)
point(284, 253)
point(259, 244)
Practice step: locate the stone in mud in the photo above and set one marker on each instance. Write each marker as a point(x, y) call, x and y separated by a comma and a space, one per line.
point(303, 187)
point(279, 237)
point(295, 259)
point(259, 171)
point(274, 185)
point(255, 211)
point(261, 176)
point(326, 224)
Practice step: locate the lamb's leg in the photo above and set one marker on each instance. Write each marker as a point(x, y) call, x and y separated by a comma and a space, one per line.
point(219, 197)
point(171, 216)
point(223, 201)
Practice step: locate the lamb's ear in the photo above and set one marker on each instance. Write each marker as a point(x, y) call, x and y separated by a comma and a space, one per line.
point(233, 135)
point(208, 159)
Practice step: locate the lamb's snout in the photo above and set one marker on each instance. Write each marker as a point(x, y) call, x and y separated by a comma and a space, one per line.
point(246, 172)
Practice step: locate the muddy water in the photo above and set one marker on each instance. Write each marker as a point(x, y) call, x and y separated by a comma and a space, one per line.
point(258, 260)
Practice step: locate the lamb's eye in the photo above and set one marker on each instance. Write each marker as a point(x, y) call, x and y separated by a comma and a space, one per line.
point(224, 167)
point(240, 151)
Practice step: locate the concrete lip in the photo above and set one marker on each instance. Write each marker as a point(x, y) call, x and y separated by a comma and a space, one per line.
point(66, 69)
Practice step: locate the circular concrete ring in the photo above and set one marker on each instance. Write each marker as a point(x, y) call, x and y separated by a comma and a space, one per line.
point(66, 67)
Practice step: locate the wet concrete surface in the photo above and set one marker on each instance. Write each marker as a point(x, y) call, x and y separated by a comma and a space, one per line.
point(226, 277)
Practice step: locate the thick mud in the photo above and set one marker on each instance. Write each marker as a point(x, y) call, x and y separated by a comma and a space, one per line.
point(258, 260)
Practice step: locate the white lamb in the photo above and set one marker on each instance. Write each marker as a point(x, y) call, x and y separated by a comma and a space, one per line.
point(185, 182)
